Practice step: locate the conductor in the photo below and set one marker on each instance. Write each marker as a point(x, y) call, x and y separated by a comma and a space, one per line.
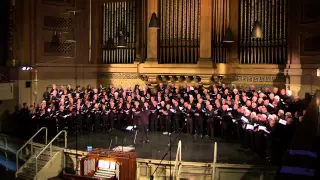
point(144, 122)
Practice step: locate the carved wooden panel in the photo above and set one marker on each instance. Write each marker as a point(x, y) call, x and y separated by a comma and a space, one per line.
point(61, 49)
point(55, 16)
point(56, 22)
point(310, 11)
point(60, 2)
point(310, 45)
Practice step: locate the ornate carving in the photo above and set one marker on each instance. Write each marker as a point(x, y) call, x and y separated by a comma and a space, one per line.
point(121, 80)
point(61, 49)
point(257, 86)
point(54, 22)
point(119, 75)
point(254, 79)
point(60, 2)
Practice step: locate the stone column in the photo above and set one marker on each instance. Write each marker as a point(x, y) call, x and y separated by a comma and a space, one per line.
point(34, 86)
point(205, 30)
point(152, 42)
point(293, 65)
point(234, 25)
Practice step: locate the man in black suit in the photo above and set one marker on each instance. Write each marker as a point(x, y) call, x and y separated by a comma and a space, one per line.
point(144, 123)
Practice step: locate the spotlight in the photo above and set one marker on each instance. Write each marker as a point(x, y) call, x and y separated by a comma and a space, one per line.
point(26, 68)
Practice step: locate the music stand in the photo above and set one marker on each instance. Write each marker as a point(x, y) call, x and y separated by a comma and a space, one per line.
point(134, 131)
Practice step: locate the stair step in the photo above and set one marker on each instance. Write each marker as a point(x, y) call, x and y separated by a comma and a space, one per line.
point(26, 176)
point(47, 152)
point(40, 163)
point(31, 172)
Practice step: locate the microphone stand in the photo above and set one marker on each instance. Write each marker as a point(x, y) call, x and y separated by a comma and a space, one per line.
point(77, 164)
point(170, 145)
point(168, 151)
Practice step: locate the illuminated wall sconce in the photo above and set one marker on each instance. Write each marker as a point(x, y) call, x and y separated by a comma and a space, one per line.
point(318, 72)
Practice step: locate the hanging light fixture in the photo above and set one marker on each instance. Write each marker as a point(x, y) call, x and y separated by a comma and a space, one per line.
point(154, 21)
point(228, 37)
point(121, 40)
point(256, 31)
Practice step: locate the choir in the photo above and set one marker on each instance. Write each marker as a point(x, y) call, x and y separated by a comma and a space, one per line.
point(263, 120)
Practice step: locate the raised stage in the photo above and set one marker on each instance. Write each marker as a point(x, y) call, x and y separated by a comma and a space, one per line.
point(194, 149)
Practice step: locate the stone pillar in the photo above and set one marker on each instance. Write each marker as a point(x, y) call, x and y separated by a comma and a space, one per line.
point(205, 29)
point(152, 42)
point(293, 65)
point(34, 86)
point(234, 25)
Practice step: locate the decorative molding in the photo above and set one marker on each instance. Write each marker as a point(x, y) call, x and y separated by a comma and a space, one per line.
point(66, 49)
point(60, 2)
point(254, 79)
point(56, 22)
point(118, 76)
point(257, 86)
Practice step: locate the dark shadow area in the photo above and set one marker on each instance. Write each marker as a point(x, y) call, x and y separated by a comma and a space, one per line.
point(280, 79)
point(6, 174)
point(306, 142)
point(4, 31)
point(70, 166)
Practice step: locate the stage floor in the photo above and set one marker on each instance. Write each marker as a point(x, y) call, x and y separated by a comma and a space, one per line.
point(194, 149)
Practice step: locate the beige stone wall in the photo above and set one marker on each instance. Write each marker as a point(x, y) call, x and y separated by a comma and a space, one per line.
point(43, 77)
point(120, 80)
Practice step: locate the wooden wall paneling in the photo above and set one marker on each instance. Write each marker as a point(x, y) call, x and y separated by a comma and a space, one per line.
point(96, 21)
point(310, 45)
point(51, 16)
point(82, 31)
point(293, 32)
point(310, 11)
